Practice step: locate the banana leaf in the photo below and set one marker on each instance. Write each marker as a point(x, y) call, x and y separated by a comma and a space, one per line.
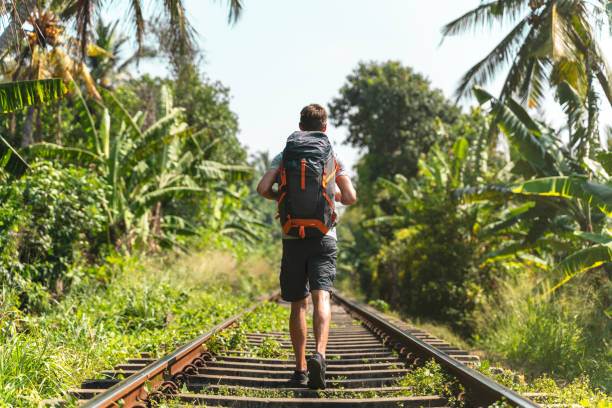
point(583, 260)
point(20, 94)
point(53, 152)
point(17, 95)
point(597, 238)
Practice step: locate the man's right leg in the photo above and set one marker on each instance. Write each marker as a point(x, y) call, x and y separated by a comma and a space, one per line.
point(298, 332)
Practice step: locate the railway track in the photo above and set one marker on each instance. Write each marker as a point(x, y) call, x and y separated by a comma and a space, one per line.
point(369, 359)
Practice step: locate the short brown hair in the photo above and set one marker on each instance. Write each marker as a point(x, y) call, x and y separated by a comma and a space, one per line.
point(313, 117)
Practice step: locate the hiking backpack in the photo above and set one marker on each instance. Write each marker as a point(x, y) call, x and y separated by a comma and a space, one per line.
point(307, 185)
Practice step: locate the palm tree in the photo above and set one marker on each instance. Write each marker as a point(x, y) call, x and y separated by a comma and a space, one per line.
point(50, 53)
point(561, 199)
point(106, 68)
point(551, 41)
point(82, 11)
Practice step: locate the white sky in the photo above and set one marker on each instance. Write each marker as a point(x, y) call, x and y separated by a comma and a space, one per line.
point(283, 55)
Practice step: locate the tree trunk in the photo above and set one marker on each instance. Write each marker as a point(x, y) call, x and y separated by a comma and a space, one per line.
point(156, 219)
point(12, 126)
point(59, 123)
point(39, 133)
point(28, 127)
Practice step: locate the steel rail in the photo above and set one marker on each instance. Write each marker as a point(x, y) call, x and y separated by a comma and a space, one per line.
point(483, 388)
point(133, 389)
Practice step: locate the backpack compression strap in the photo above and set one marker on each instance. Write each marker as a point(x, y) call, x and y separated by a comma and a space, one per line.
point(301, 224)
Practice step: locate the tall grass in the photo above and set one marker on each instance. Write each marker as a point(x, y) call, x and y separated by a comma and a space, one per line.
point(566, 335)
point(125, 306)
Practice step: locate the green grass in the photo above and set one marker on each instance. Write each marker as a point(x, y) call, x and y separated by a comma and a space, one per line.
point(565, 336)
point(123, 307)
point(579, 391)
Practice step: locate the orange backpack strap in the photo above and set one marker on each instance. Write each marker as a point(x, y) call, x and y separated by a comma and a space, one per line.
point(338, 168)
point(328, 200)
point(296, 223)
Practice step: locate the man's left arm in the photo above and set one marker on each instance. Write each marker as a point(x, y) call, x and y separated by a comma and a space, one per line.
point(346, 193)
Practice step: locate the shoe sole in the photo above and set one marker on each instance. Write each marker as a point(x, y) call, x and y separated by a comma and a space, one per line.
point(315, 375)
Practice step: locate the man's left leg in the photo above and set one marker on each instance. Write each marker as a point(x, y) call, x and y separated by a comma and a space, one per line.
point(298, 332)
point(321, 318)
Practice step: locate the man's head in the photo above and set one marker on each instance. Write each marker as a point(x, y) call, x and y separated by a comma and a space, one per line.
point(314, 118)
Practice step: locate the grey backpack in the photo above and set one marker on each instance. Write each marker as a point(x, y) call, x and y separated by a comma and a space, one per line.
point(307, 185)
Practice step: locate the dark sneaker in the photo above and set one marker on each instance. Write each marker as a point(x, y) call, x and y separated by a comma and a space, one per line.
point(298, 379)
point(316, 371)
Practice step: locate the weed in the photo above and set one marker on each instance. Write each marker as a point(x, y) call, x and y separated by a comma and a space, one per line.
point(379, 305)
point(270, 348)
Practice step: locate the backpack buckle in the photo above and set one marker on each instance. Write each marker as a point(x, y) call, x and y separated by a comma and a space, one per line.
point(302, 232)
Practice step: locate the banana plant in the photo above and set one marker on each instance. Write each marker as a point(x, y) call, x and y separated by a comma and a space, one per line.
point(144, 168)
point(18, 95)
point(562, 198)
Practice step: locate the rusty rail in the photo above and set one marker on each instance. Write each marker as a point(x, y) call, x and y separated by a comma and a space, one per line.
point(482, 388)
point(134, 390)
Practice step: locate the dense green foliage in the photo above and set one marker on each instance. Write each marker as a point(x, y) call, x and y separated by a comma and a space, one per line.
point(391, 112)
point(447, 243)
point(491, 222)
point(48, 220)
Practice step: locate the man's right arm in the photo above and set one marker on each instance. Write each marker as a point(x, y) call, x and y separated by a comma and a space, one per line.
point(264, 188)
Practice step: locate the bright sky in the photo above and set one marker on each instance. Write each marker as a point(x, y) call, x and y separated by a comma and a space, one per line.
point(283, 55)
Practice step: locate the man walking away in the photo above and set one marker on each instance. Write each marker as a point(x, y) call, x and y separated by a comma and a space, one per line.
point(307, 173)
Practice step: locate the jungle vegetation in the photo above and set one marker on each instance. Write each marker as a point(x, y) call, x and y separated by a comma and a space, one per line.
point(127, 202)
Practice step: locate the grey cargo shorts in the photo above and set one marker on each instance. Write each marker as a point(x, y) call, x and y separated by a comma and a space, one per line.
point(307, 264)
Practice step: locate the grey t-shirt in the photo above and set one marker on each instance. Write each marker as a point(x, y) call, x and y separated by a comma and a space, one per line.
point(340, 172)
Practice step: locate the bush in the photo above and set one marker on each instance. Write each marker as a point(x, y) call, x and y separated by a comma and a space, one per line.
point(48, 220)
point(429, 271)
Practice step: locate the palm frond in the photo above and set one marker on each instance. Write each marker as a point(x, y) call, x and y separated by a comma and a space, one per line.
point(487, 68)
point(82, 11)
point(235, 11)
point(487, 14)
point(139, 22)
point(19, 11)
point(18, 95)
point(154, 143)
point(181, 31)
point(393, 186)
point(522, 65)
